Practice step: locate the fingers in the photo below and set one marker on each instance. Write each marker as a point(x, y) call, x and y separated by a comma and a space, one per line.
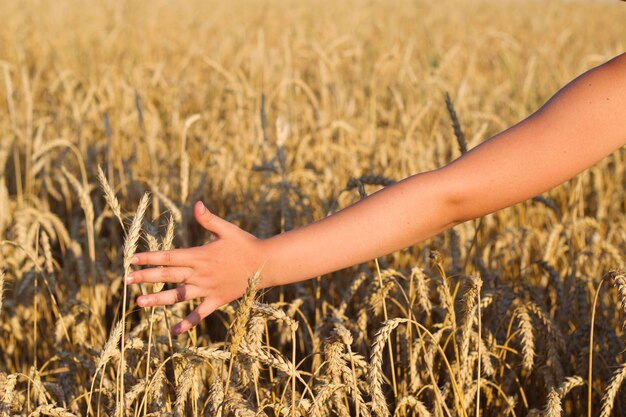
point(204, 309)
point(177, 275)
point(168, 297)
point(210, 221)
point(174, 257)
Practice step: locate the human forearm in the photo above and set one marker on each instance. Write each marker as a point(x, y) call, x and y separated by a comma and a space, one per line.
point(395, 217)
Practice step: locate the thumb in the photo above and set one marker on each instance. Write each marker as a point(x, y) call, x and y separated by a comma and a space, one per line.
point(210, 221)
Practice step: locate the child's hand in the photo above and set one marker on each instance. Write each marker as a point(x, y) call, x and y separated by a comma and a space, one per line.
point(217, 271)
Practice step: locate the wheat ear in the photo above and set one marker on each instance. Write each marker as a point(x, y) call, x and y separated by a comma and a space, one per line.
point(410, 401)
point(51, 410)
point(618, 280)
point(87, 206)
point(570, 383)
point(238, 328)
point(553, 406)
point(108, 352)
point(528, 338)
point(374, 374)
point(130, 247)
point(109, 196)
point(608, 400)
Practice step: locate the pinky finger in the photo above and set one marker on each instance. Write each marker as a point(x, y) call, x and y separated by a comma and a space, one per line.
point(204, 309)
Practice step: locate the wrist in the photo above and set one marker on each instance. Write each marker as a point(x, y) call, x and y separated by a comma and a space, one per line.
point(265, 262)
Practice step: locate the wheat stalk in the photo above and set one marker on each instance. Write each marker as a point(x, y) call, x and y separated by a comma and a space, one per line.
point(1, 289)
point(184, 158)
point(130, 247)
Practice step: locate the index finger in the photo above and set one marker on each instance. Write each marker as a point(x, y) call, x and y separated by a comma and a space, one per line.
point(174, 257)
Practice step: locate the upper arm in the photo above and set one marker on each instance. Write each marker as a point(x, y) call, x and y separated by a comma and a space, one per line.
point(584, 122)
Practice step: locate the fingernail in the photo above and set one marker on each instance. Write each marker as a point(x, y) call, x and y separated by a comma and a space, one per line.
point(142, 302)
point(134, 260)
point(202, 208)
point(176, 330)
point(130, 279)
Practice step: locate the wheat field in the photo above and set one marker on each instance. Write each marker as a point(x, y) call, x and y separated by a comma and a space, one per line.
point(117, 116)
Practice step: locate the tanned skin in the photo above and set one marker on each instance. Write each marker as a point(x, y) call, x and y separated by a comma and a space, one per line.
point(580, 125)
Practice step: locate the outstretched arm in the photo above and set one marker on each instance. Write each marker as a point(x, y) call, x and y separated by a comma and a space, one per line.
point(581, 124)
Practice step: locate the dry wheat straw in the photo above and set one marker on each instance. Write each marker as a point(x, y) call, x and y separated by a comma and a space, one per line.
point(590, 350)
point(184, 158)
point(1, 289)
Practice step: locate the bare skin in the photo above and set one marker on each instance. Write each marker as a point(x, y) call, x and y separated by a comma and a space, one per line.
point(583, 123)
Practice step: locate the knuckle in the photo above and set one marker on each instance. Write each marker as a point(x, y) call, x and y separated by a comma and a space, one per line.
point(167, 256)
point(179, 294)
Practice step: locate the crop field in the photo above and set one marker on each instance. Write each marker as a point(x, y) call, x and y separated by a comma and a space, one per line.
point(117, 116)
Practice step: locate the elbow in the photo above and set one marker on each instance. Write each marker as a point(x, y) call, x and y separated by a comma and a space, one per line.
point(457, 212)
point(456, 200)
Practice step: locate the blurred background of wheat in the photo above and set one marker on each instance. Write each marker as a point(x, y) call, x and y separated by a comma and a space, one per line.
point(265, 111)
